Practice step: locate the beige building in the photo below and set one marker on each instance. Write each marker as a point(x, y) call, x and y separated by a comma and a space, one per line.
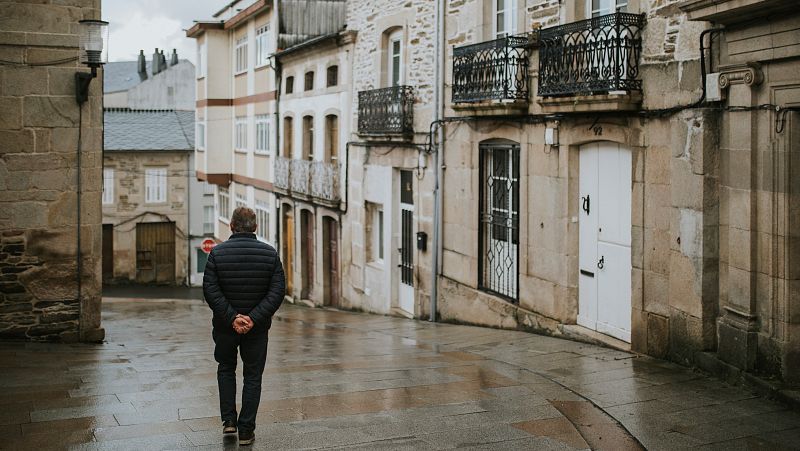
point(146, 178)
point(590, 192)
point(50, 288)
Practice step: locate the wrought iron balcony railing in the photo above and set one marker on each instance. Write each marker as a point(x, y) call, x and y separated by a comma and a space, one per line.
point(282, 173)
point(592, 56)
point(492, 70)
point(310, 180)
point(386, 111)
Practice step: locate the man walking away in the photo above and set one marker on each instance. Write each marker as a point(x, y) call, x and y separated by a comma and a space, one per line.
point(244, 286)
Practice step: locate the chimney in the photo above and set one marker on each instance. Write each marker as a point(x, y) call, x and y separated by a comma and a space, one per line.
point(156, 66)
point(142, 66)
point(162, 65)
point(174, 59)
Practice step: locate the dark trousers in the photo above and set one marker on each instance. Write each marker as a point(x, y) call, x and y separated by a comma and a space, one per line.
point(253, 348)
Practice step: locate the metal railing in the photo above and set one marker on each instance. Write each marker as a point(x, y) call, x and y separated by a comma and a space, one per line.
point(592, 56)
point(492, 70)
point(386, 111)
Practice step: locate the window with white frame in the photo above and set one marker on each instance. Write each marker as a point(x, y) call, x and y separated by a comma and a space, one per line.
point(262, 219)
point(155, 185)
point(241, 200)
point(201, 60)
point(395, 60)
point(223, 204)
point(200, 136)
point(262, 133)
point(108, 185)
point(603, 7)
point(375, 232)
point(505, 23)
point(241, 54)
point(208, 219)
point(208, 189)
point(240, 134)
point(262, 53)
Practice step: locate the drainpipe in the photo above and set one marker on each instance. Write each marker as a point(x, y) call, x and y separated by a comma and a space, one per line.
point(438, 160)
point(189, 271)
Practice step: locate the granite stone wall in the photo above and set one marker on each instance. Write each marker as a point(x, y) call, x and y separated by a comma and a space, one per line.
point(39, 130)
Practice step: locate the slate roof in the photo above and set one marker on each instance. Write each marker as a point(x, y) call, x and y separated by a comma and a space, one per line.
point(148, 130)
point(123, 75)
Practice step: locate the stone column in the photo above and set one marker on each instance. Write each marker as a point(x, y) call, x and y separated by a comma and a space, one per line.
point(737, 327)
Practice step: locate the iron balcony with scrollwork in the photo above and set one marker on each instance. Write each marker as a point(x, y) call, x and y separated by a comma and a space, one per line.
point(493, 70)
point(316, 181)
point(386, 111)
point(594, 56)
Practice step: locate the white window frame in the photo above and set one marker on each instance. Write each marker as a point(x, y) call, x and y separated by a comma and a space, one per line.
point(108, 186)
point(155, 185)
point(240, 59)
point(262, 219)
point(240, 200)
point(202, 67)
point(262, 134)
point(240, 134)
point(200, 135)
point(509, 18)
point(606, 7)
point(395, 79)
point(223, 205)
point(262, 51)
point(208, 219)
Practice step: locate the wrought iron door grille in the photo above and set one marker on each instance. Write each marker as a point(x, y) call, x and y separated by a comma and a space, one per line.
point(591, 56)
point(386, 111)
point(499, 220)
point(492, 70)
point(407, 248)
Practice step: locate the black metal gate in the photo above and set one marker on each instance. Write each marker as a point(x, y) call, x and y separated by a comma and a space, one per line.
point(499, 219)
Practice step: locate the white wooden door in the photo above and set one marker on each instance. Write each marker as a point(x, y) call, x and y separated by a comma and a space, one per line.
point(605, 239)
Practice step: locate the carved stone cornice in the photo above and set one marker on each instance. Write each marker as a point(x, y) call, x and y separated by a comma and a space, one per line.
point(749, 74)
point(730, 12)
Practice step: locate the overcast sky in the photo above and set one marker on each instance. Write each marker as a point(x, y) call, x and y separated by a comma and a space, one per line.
point(147, 24)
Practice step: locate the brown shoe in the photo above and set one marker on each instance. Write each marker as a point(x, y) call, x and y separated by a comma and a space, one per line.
point(228, 427)
point(246, 438)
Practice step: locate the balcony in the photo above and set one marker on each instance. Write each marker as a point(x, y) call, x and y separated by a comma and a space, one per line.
point(493, 71)
point(386, 111)
point(593, 61)
point(315, 181)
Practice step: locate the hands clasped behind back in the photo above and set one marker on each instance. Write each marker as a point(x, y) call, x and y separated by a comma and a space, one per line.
point(242, 324)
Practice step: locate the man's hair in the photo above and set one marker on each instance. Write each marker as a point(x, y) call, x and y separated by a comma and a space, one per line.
point(243, 220)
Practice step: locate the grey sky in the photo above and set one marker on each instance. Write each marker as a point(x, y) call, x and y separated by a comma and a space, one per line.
point(147, 24)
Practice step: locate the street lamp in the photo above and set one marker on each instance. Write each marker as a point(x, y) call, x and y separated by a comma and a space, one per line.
point(93, 33)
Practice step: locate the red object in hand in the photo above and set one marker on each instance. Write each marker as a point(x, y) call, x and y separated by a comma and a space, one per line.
point(207, 245)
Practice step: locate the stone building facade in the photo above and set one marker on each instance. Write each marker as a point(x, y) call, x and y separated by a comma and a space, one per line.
point(391, 183)
point(593, 204)
point(147, 176)
point(43, 294)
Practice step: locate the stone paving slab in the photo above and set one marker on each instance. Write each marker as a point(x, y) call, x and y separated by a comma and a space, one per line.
point(339, 380)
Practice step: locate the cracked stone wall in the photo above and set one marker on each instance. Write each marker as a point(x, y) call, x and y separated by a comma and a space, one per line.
point(39, 129)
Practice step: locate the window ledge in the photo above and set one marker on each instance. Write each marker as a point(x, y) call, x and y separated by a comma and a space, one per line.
point(240, 150)
point(732, 11)
point(263, 153)
point(591, 103)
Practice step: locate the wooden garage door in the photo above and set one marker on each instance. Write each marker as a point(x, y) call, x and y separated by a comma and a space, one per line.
point(155, 252)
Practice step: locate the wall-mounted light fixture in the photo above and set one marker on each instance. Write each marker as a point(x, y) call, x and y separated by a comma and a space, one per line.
point(93, 34)
point(551, 135)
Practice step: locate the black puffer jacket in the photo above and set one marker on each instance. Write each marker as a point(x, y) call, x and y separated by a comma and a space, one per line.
point(243, 276)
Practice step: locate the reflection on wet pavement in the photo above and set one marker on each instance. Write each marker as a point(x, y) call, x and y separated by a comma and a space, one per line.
point(337, 379)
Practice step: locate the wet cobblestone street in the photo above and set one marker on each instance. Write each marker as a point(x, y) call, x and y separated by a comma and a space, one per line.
point(338, 379)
